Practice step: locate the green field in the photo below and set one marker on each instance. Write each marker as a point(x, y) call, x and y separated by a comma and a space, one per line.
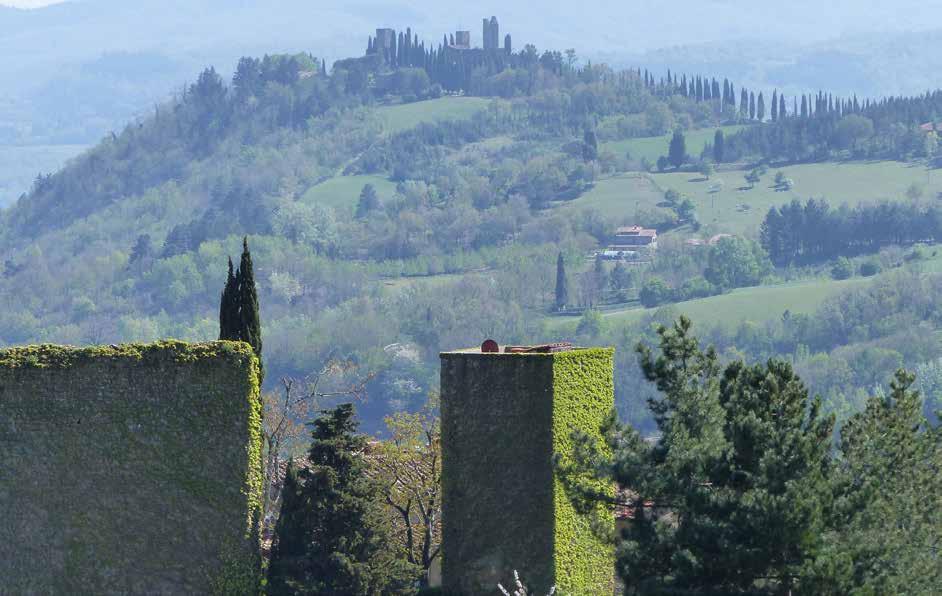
point(618, 198)
point(653, 147)
point(757, 304)
point(343, 192)
point(409, 115)
point(19, 166)
point(738, 211)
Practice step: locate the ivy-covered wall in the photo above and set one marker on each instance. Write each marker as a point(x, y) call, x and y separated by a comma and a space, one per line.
point(503, 418)
point(130, 469)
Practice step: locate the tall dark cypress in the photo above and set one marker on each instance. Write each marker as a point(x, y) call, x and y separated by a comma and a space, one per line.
point(229, 308)
point(774, 105)
point(719, 146)
point(249, 321)
point(562, 287)
point(781, 106)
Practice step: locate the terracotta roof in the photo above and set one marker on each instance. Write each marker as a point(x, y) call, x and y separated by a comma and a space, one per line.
point(635, 231)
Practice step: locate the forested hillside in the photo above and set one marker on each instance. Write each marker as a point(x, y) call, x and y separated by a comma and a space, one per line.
point(403, 203)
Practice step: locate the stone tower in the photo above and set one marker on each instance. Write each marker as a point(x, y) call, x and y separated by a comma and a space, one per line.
point(491, 34)
point(385, 42)
point(504, 416)
point(463, 40)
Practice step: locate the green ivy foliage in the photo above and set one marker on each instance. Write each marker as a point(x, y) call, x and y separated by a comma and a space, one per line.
point(131, 468)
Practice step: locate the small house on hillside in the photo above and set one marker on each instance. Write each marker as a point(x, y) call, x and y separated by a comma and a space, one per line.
point(634, 237)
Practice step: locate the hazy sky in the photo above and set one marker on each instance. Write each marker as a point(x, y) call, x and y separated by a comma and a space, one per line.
point(28, 3)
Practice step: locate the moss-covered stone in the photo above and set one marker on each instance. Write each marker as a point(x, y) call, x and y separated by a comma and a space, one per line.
point(504, 416)
point(130, 469)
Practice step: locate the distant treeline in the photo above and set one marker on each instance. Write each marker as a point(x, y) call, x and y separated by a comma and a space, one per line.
point(796, 233)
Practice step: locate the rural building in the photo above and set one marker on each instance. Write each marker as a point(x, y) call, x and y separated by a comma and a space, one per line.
point(633, 237)
point(505, 415)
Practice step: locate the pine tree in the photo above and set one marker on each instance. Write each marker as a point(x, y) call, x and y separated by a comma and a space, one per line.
point(677, 151)
point(562, 285)
point(343, 527)
point(891, 483)
point(734, 495)
point(286, 573)
point(368, 202)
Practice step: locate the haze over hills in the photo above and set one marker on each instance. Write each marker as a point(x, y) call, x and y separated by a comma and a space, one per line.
point(113, 60)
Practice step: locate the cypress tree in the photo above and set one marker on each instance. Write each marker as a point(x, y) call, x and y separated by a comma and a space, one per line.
point(229, 309)
point(760, 108)
point(562, 286)
point(677, 151)
point(752, 105)
point(774, 105)
point(250, 320)
point(590, 145)
point(238, 308)
point(744, 104)
point(719, 146)
point(781, 106)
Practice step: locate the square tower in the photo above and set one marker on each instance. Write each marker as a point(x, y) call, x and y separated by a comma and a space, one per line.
point(504, 416)
point(463, 40)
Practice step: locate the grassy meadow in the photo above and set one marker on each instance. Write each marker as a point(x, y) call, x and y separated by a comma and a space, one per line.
point(653, 147)
point(738, 210)
point(409, 115)
point(757, 304)
point(343, 192)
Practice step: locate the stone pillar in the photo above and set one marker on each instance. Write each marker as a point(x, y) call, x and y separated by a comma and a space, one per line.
point(504, 416)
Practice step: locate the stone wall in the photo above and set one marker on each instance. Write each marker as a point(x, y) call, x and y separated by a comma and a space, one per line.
point(130, 469)
point(504, 416)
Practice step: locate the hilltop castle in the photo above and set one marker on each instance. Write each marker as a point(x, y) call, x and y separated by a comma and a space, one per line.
point(388, 44)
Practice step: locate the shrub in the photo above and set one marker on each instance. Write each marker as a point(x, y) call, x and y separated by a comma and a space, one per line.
point(842, 269)
point(869, 268)
point(654, 291)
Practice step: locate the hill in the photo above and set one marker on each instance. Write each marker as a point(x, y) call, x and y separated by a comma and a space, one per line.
point(482, 177)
